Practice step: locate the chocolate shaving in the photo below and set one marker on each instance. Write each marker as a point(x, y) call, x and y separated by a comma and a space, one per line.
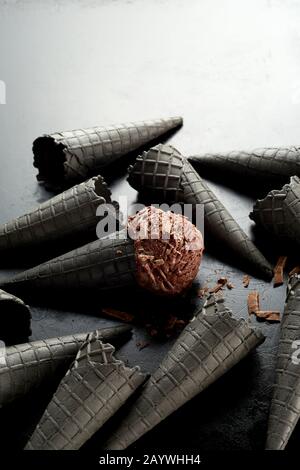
point(215, 289)
point(124, 316)
point(278, 271)
point(174, 325)
point(295, 270)
point(254, 309)
point(202, 292)
point(246, 280)
point(253, 302)
point(222, 281)
point(181, 324)
point(229, 285)
point(268, 315)
point(142, 344)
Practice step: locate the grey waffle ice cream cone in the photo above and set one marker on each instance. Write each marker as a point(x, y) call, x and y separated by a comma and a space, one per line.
point(68, 214)
point(163, 172)
point(15, 317)
point(279, 211)
point(267, 164)
point(165, 262)
point(26, 366)
point(285, 404)
point(75, 155)
point(94, 388)
point(207, 348)
point(103, 264)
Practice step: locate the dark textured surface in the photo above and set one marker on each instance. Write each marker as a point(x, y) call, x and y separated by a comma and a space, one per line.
point(278, 213)
point(233, 75)
point(28, 365)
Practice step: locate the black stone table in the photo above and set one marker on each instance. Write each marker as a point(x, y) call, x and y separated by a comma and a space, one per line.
point(231, 70)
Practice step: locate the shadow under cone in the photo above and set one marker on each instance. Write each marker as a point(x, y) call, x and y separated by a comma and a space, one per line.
point(26, 366)
point(76, 155)
point(285, 404)
point(93, 389)
point(207, 348)
point(15, 317)
point(164, 173)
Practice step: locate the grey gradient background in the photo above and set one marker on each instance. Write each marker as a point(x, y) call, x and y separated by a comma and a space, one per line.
point(231, 69)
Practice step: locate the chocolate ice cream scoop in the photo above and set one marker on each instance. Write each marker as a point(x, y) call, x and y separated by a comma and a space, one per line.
point(168, 250)
point(165, 260)
point(164, 174)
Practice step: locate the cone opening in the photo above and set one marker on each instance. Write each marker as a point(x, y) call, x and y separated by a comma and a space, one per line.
point(15, 320)
point(49, 159)
point(277, 212)
point(101, 188)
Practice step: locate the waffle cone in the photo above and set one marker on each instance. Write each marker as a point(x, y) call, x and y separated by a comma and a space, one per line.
point(75, 155)
point(279, 211)
point(94, 388)
point(103, 264)
point(64, 216)
point(207, 348)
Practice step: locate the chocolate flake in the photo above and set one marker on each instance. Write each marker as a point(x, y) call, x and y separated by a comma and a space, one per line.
point(142, 344)
point(278, 271)
point(230, 286)
point(253, 302)
point(254, 309)
point(246, 280)
point(222, 281)
point(295, 270)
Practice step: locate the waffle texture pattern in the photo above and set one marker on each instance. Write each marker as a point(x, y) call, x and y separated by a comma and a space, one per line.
point(71, 212)
point(26, 366)
point(94, 388)
point(272, 163)
point(279, 212)
point(85, 151)
point(285, 405)
point(166, 174)
point(103, 264)
point(207, 348)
